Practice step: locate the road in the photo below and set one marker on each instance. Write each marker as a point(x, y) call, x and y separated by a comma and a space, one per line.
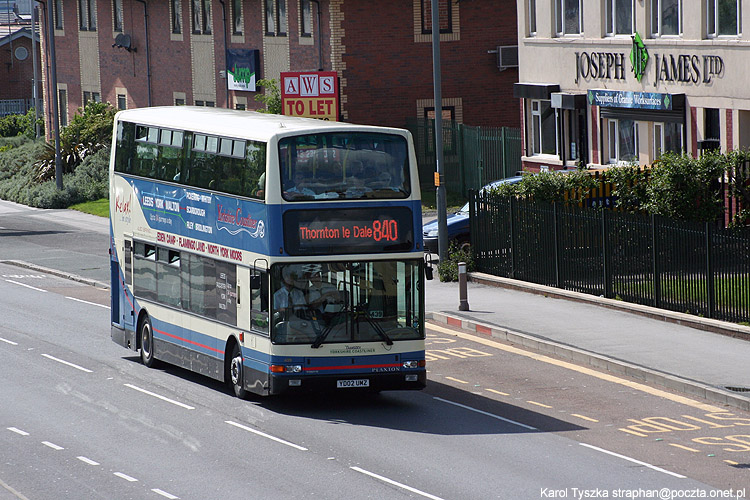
point(82, 418)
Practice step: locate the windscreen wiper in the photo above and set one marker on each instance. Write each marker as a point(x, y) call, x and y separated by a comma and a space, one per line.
point(322, 335)
point(362, 310)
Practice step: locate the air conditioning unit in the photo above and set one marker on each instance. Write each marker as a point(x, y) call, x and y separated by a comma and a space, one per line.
point(507, 57)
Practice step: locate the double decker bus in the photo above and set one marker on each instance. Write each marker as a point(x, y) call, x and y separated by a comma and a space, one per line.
point(274, 253)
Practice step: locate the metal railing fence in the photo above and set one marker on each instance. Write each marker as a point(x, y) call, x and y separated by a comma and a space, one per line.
point(701, 269)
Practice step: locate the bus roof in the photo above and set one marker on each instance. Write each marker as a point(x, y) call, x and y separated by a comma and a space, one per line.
point(239, 124)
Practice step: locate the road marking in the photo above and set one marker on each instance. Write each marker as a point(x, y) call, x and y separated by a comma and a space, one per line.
point(395, 483)
point(12, 491)
point(125, 477)
point(163, 398)
point(539, 404)
point(487, 414)
point(87, 461)
point(8, 341)
point(18, 431)
point(457, 380)
point(52, 445)
point(27, 286)
point(580, 369)
point(634, 433)
point(164, 494)
point(731, 462)
point(584, 417)
point(263, 434)
point(633, 460)
point(67, 363)
point(498, 392)
point(684, 447)
point(87, 302)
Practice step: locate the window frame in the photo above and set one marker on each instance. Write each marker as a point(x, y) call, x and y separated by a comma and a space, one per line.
point(560, 18)
point(713, 8)
point(117, 16)
point(176, 17)
point(427, 20)
point(238, 20)
point(657, 26)
point(610, 13)
point(87, 15)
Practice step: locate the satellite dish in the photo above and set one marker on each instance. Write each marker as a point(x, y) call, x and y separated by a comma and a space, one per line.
point(123, 41)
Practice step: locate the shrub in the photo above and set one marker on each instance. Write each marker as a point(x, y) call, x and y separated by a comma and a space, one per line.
point(272, 100)
point(15, 125)
point(448, 267)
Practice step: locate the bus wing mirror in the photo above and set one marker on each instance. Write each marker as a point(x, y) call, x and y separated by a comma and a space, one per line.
point(255, 281)
point(428, 266)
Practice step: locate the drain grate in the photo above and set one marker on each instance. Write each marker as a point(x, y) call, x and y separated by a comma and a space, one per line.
point(738, 389)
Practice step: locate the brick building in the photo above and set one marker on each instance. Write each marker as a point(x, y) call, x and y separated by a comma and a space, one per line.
point(380, 51)
point(16, 68)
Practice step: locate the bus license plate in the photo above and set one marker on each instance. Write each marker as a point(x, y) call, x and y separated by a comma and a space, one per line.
point(363, 382)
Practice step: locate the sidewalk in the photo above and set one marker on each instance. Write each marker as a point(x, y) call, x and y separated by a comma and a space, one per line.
point(687, 354)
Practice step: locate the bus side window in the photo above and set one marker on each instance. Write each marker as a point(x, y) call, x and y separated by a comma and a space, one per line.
point(259, 301)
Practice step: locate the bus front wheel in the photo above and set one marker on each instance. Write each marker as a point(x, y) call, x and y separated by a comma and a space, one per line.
point(147, 342)
point(236, 377)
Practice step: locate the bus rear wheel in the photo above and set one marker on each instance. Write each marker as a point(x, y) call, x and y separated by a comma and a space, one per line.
point(236, 375)
point(147, 342)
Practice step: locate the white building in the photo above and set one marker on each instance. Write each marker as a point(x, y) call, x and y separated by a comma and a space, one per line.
point(607, 82)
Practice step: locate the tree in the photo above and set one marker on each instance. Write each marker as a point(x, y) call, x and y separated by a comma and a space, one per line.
point(272, 98)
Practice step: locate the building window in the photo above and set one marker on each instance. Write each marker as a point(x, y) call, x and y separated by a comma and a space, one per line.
point(306, 28)
point(568, 15)
point(449, 140)
point(201, 17)
point(619, 17)
point(176, 16)
point(723, 18)
point(87, 14)
point(240, 106)
point(91, 97)
point(57, 6)
point(543, 128)
point(206, 17)
point(666, 17)
point(275, 14)
point(667, 138)
point(622, 141)
point(445, 16)
point(179, 101)
point(532, 17)
point(117, 15)
point(237, 21)
point(122, 101)
point(62, 104)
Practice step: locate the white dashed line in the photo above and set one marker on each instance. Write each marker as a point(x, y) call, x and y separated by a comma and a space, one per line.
point(263, 434)
point(125, 477)
point(487, 414)
point(8, 341)
point(52, 445)
point(18, 431)
point(658, 469)
point(67, 363)
point(87, 461)
point(27, 286)
point(163, 398)
point(87, 302)
point(164, 494)
point(395, 483)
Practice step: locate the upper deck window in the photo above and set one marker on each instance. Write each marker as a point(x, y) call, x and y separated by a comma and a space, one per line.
point(344, 166)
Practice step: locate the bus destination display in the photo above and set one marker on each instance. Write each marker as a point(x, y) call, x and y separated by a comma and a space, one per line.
point(352, 230)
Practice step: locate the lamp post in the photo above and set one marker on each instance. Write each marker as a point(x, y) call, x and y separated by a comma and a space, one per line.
point(439, 171)
point(53, 92)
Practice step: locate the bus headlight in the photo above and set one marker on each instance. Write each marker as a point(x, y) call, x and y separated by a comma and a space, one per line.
point(411, 364)
point(294, 369)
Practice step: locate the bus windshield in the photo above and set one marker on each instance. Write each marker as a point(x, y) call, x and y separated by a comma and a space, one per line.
point(346, 302)
point(344, 165)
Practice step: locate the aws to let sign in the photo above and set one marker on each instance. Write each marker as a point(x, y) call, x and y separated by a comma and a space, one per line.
point(310, 94)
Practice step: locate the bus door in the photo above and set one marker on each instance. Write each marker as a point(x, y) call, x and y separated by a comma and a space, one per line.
point(126, 297)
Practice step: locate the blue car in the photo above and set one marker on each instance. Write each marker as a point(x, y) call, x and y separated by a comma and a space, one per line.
point(457, 223)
